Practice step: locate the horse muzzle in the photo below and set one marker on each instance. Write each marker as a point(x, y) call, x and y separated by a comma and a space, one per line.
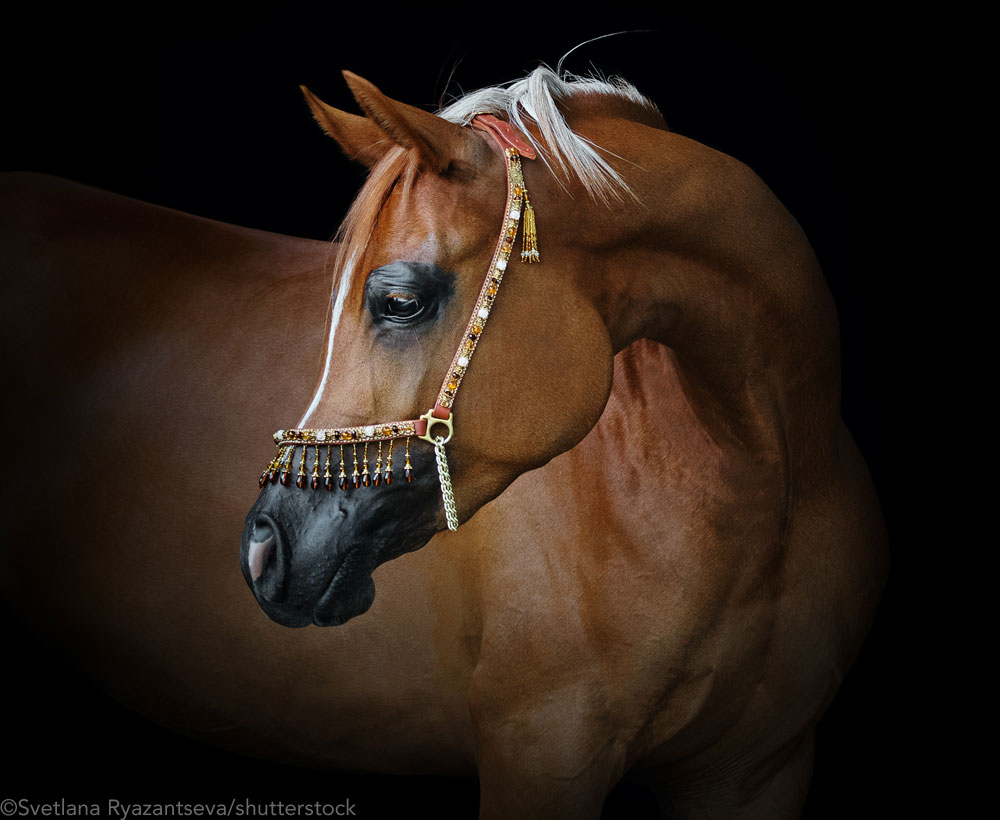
point(308, 556)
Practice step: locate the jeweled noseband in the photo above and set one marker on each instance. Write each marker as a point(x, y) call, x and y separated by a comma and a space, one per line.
point(323, 441)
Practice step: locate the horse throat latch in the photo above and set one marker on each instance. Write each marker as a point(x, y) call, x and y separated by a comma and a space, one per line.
point(294, 446)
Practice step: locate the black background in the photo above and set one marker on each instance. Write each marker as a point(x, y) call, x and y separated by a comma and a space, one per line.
point(200, 111)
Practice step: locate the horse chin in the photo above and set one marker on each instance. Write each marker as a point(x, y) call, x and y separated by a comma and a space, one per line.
point(334, 608)
point(337, 606)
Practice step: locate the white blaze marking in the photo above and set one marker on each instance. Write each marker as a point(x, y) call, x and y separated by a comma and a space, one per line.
point(338, 309)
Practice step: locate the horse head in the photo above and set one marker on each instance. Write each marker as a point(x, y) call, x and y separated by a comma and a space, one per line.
point(354, 485)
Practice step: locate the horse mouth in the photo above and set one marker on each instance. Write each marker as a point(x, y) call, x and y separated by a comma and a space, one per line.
point(328, 593)
point(344, 597)
point(350, 593)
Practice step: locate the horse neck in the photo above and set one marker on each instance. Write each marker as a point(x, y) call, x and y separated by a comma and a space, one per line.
point(715, 268)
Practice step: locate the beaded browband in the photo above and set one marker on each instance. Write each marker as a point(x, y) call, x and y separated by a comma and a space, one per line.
point(323, 441)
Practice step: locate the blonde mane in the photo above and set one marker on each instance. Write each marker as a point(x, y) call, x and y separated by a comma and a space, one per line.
point(537, 98)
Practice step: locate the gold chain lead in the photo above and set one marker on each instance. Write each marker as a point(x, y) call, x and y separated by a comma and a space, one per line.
point(447, 494)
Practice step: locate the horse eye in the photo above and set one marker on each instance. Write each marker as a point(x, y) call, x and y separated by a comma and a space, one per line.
point(402, 307)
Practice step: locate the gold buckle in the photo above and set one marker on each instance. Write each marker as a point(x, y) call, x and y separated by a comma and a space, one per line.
point(432, 420)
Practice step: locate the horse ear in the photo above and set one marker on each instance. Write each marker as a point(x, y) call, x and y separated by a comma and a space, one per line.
point(359, 137)
point(437, 142)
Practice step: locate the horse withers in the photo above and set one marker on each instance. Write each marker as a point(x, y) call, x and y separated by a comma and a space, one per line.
point(667, 549)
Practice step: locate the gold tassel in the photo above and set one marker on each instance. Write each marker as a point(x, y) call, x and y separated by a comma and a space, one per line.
point(529, 238)
point(286, 466)
point(300, 482)
point(264, 476)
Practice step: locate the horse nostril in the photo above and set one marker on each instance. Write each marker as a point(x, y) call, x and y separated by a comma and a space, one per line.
point(260, 548)
point(262, 530)
point(259, 557)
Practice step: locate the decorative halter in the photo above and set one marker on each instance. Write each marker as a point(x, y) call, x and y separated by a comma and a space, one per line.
point(323, 441)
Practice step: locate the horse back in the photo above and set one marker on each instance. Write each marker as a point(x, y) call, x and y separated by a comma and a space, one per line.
point(138, 337)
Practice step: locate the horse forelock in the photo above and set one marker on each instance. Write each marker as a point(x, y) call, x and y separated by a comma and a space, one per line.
point(356, 230)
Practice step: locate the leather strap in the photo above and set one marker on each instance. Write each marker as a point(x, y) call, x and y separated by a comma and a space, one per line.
point(504, 133)
point(506, 137)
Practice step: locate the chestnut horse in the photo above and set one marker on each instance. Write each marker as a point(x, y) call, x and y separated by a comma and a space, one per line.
point(669, 549)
